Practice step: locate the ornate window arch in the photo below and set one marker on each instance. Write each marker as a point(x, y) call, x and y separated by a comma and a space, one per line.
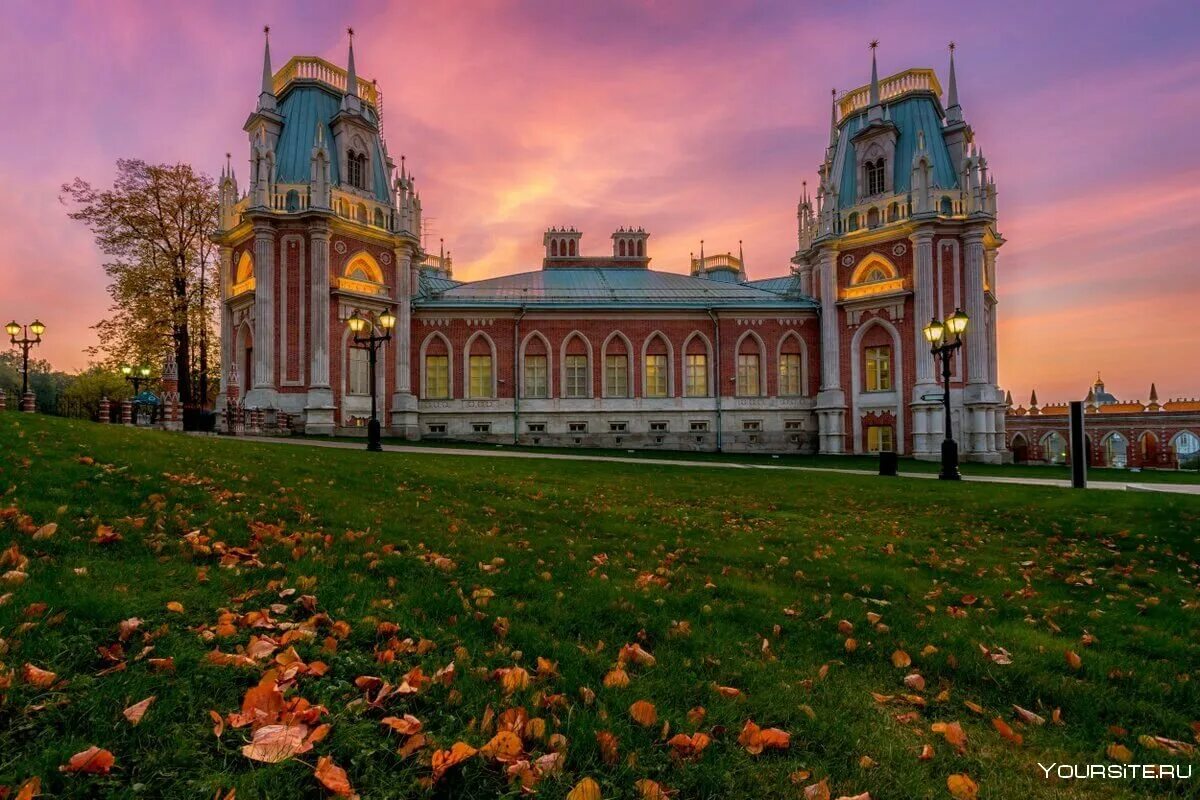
point(750, 379)
point(575, 379)
point(535, 379)
point(1115, 447)
point(618, 367)
point(698, 374)
point(1186, 445)
point(792, 360)
point(447, 352)
point(658, 369)
point(362, 266)
point(872, 269)
point(479, 376)
point(243, 276)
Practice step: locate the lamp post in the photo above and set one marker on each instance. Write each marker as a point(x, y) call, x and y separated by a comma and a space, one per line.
point(26, 344)
point(135, 375)
point(358, 324)
point(938, 334)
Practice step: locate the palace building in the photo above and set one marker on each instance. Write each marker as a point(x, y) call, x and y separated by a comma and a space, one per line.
point(591, 349)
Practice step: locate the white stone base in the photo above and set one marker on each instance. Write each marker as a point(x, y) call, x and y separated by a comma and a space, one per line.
point(404, 420)
point(319, 413)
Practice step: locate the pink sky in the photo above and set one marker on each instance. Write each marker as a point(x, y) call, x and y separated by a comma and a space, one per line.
point(694, 120)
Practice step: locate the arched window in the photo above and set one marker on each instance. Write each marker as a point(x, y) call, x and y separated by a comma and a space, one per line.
point(657, 360)
point(1116, 450)
point(1149, 446)
point(875, 182)
point(362, 267)
point(893, 212)
point(873, 218)
point(791, 366)
point(358, 377)
point(695, 377)
point(947, 207)
point(554, 248)
point(481, 374)
point(1054, 448)
point(749, 382)
point(576, 368)
point(436, 366)
point(571, 245)
point(621, 248)
point(353, 165)
point(616, 366)
point(641, 247)
point(536, 382)
point(852, 222)
point(879, 368)
point(292, 200)
point(1187, 449)
point(360, 213)
point(245, 268)
point(379, 222)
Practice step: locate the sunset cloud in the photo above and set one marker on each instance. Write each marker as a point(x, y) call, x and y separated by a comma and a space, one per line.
point(694, 120)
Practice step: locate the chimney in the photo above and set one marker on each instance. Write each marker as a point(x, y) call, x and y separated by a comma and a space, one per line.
point(562, 247)
point(630, 247)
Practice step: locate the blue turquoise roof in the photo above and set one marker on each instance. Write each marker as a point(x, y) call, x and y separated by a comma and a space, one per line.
point(910, 115)
point(303, 107)
point(432, 282)
point(785, 284)
point(598, 286)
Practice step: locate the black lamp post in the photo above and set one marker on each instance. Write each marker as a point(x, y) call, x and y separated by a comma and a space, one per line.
point(26, 344)
point(135, 375)
point(358, 324)
point(938, 334)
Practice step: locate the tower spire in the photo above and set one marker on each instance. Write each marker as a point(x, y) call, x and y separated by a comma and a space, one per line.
point(874, 74)
point(953, 110)
point(350, 102)
point(266, 96)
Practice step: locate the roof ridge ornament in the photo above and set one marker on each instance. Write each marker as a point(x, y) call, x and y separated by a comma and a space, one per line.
point(350, 101)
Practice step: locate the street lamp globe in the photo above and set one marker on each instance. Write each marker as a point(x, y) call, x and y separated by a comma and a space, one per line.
point(387, 320)
point(126, 370)
point(357, 323)
point(934, 331)
point(12, 329)
point(145, 372)
point(37, 327)
point(957, 322)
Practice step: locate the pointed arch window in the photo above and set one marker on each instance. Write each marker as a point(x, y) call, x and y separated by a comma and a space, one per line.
point(356, 169)
point(875, 182)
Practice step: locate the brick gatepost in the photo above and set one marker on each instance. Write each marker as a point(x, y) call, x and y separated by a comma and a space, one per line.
point(105, 410)
point(28, 402)
point(126, 412)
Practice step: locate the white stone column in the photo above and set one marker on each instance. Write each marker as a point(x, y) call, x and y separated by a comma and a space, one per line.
point(925, 444)
point(224, 280)
point(977, 333)
point(831, 400)
point(404, 419)
point(319, 411)
point(262, 395)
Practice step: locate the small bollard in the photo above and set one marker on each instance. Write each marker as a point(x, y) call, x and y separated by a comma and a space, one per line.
point(888, 463)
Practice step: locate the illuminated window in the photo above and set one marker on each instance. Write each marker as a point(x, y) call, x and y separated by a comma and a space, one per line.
point(616, 376)
point(747, 375)
point(481, 376)
point(536, 383)
point(875, 184)
point(879, 439)
point(359, 374)
point(576, 368)
point(696, 384)
point(789, 374)
point(656, 376)
point(437, 377)
point(875, 274)
point(879, 369)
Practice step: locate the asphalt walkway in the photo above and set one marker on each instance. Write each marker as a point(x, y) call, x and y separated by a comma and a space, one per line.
point(1175, 488)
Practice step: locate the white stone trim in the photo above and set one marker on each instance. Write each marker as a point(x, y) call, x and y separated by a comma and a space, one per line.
point(670, 363)
point(562, 365)
point(467, 366)
point(449, 365)
point(629, 373)
point(709, 363)
point(520, 379)
point(896, 404)
point(762, 365)
point(789, 334)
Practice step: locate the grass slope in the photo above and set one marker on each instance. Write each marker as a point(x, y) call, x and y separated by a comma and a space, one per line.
point(582, 558)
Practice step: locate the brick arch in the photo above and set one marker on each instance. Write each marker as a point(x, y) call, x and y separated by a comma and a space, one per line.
point(440, 344)
point(793, 340)
point(575, 343)
point(536, 343)
point(856, 376)
point(752, 340)
point(697, 343)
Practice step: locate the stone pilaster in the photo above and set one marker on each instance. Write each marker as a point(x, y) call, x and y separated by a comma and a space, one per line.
point(403, 420)
point(980, 394)
point(224, 280)
point(319, 412)
point(926, 443)
point(262, 394)
point(831, 400)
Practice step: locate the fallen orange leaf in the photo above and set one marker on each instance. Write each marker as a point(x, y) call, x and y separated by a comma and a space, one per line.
point(275, 743)
point(138, 710)
point(644, 713)
point(443, 760)
point(333, 777)
point(586, 789)
point(94, 760)
point(504, 746)
point(962, 787)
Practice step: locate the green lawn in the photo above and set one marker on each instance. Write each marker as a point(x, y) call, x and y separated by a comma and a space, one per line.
point(375, 564)
point(847, 462)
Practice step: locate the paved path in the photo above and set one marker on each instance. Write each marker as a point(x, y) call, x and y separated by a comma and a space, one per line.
point(1176, 488)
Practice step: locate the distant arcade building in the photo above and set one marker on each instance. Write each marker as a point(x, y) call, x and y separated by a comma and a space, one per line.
point(1119, 434)
point(602, 350)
